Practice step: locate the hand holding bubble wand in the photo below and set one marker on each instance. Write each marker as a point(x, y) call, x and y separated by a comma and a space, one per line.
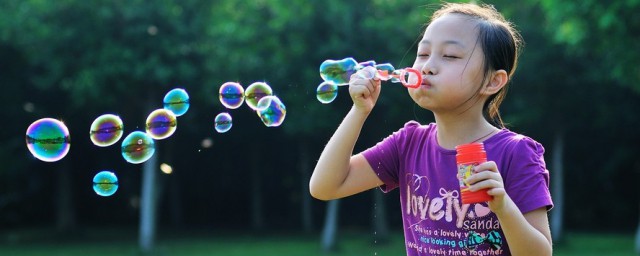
point(338, 72)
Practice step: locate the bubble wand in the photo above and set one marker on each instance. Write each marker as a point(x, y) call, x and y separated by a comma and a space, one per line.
point(339, 72)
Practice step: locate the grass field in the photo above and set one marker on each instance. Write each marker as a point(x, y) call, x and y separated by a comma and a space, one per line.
point(123, 242)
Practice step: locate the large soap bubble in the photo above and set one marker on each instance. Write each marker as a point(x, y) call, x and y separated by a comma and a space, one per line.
point(48, 139)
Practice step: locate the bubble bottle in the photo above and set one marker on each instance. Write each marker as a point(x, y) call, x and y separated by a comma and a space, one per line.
point(339, 72)
point(467, 157)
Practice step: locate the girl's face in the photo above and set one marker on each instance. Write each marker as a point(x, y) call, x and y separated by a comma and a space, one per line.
point(451, 61)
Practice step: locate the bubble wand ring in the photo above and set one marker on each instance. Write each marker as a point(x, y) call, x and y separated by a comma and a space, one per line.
point(402, 75)
point(403, 79)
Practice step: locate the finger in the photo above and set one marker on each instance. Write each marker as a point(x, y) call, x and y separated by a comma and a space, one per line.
point(484, 175)
point(486, 166)
point(486, 184)
point(497, 192)
point(361, 84)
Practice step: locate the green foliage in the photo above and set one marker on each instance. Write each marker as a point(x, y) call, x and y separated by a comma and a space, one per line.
point(605, 31)
point(95, 51)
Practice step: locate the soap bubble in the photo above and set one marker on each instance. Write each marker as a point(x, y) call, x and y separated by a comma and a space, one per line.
point(223, 122)
point(338, 71)
point(105, 183)
point(138, 147)
point(106, 130)
point(48, 139)
point(271, 111)
point(231, 95)
point(255, 92)
point(161, 124)
point(177, 101)
point(327, 92)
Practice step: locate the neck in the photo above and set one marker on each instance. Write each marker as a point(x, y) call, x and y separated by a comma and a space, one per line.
point(462, 128)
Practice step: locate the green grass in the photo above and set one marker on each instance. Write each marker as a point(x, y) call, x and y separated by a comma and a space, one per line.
point(124, 242)
point(588, 244)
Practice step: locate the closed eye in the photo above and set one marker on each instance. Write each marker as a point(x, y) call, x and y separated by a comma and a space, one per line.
point(450, 57)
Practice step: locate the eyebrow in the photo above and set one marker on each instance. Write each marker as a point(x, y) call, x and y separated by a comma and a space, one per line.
point(447, 42)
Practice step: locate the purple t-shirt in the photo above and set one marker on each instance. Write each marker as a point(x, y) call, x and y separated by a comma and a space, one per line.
point(435, 221)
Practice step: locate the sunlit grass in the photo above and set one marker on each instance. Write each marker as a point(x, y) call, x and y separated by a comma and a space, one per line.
point(351, 243)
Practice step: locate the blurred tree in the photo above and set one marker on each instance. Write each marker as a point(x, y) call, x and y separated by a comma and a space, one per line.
point(135, 48)
point(568, 65)
point(601, 30)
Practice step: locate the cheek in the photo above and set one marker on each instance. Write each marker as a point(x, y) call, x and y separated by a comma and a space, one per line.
point(413, 93)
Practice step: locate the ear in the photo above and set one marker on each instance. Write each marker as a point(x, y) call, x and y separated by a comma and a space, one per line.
point(497, 80)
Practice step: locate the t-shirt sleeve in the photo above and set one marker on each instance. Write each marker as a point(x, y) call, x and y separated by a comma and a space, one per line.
point(527, 181)
point(384, 157)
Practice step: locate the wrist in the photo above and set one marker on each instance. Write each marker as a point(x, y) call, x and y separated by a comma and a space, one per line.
point(359, 111)
point(506, 208)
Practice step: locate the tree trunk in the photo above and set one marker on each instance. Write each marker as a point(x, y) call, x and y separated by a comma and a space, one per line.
point(379, 221)
point(637, 240)
point(65, 216)
point(148, 204)
point(175, 200)
point(170, 183)
point(557, 187)
point(330, 229)
point(257, 212)
point(305, 210)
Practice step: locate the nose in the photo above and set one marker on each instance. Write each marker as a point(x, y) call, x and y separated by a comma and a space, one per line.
point(428, 67)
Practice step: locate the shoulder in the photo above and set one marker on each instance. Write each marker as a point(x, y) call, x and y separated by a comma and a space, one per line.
point(411, 135)
point(413, 128)
point(515, 144)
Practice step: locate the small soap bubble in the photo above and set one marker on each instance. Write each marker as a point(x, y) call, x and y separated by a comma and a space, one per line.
point(271, 111)
point(231, 95)
point(48, 139)
point(105, 183)
point(255, 92)
point(223, 122)
point(327, 92)
point(138, 147)
point(161, 124)
point(106, 130)
point(177, 101)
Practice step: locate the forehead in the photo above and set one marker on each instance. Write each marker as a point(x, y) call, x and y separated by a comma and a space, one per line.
point(455, 29)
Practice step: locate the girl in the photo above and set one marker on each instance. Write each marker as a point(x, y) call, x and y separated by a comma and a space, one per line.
point(467, 55)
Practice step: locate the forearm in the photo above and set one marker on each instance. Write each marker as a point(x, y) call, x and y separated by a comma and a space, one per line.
point(523, 238)
point(333, 165)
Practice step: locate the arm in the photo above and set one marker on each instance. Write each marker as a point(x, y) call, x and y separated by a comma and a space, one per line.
point(527, 234)
point(337, 173)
